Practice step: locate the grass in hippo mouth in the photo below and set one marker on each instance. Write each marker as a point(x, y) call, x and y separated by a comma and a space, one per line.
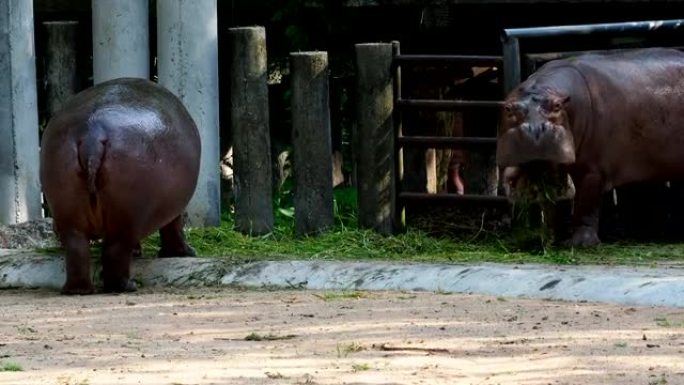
point(540, 182)
point(538, 186)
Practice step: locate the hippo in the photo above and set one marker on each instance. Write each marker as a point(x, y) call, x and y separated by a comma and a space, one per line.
point(118, 161)
point(605, 119)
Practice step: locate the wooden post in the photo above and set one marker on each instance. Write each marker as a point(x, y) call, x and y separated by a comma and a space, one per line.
point(60, 63)
point(251, 135)
point(375, 141)
point(312, 143)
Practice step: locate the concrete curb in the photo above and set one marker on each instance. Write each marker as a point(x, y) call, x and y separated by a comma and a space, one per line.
point(619, 285)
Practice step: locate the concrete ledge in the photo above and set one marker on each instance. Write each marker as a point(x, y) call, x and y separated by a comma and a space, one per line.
point(621, 285)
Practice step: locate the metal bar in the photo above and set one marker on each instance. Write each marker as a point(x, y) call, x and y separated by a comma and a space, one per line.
point(585, 29)
point(511, 63)
point(447, 104)
point(548, 56)
point(445, 142)
point(511, 45)
point(455, 198)
point(448, 59)
point(399, 211)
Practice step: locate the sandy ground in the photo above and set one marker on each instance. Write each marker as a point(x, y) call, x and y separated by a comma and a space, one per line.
point(197, 336)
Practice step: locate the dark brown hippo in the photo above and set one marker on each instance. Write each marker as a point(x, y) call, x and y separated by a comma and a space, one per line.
point(119, 161)
point(605, 119)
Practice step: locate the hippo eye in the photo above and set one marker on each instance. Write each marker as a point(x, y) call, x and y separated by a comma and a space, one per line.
point(557, 106)
point(512, 109)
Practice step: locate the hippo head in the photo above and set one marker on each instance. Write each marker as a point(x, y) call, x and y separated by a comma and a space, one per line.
point(535, 145)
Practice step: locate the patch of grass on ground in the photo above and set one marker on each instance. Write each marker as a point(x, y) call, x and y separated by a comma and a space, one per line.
point(10, 367)
point(346, 242)
point(332, 296)
point(669, 323)
point(360, 367)
point(268, 337)
point(345, 350)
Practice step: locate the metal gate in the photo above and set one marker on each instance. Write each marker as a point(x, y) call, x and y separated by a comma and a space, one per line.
point(516, 65)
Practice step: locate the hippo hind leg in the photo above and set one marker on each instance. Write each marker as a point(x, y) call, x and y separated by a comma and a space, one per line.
point(173, 242)
point(116, 266)
point(77, 260)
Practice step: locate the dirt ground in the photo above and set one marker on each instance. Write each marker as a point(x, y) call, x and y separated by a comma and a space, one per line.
point(211, 336)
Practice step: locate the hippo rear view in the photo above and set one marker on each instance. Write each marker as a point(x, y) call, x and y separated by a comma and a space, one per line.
point(605, 119)
point(119, 161)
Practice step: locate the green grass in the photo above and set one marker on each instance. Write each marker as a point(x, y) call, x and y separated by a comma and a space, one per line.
point(268, 337)
point(333, 296)
point(10, 367)
point(360, 367)
point(669, 323)
point(346, 242)
point(344, 350)
point(349, 243)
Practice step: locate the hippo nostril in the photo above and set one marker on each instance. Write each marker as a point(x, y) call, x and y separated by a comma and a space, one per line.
point(549, 126)
point(525, 127)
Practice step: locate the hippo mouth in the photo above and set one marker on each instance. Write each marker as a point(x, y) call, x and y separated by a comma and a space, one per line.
point(527, 143)
point(538, 181)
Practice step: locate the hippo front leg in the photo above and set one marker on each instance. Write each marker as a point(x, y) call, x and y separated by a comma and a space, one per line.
point(77, 260)
point(173, 242)
point(586, 211)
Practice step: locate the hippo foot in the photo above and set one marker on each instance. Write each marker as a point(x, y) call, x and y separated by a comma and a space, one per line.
point(584, 237)
point(186, 251)
point(120, 286)
point(78, 288)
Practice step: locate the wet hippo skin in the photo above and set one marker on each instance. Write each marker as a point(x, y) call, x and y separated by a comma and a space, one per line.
point(119, 161)
point(610, 119)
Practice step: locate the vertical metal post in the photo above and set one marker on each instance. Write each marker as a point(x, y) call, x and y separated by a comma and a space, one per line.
point(399, 213)
point(511, 63)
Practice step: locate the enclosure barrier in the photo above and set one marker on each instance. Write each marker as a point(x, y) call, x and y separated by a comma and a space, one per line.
point(312, 143)
point(121, 46)
point(60, 63)
point(511, 40)
point(374, 135)
point(19, 182)
point(251, 134)
point(187, 51)
point(437, 142)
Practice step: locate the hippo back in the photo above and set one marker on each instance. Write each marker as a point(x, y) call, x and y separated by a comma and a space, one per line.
point(123, 153)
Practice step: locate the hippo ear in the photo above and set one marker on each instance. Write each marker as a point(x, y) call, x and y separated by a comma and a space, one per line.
point(564, 100)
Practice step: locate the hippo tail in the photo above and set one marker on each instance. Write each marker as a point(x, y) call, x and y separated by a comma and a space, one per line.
point(91, 151)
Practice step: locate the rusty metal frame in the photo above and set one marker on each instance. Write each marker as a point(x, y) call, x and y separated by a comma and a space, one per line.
point(510, 39)
point(441, 142)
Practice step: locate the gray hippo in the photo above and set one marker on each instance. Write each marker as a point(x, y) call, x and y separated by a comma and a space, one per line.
point(119, 161)
point(604, 119)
